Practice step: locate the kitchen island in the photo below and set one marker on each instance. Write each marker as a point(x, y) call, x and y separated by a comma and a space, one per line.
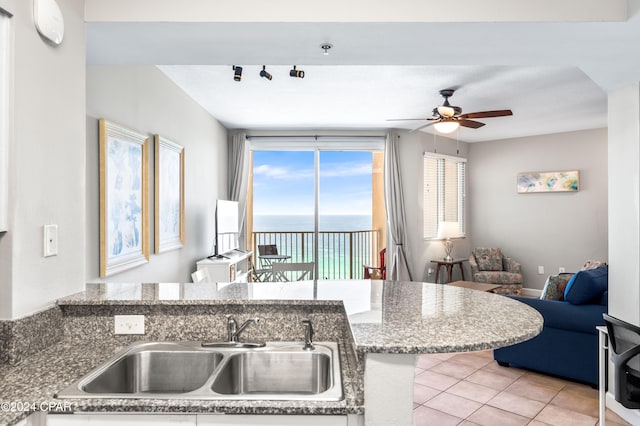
point(381, 326)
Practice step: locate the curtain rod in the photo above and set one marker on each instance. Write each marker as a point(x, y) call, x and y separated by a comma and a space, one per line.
point(317, 137)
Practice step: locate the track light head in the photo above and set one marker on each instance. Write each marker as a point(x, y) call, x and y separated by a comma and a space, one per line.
point(265, 74)
point(237, 73)
point(296, 73)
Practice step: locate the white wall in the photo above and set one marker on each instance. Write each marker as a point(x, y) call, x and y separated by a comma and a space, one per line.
point(624, 211)
point(144, 99)
point(544, 229)
point(48, 134)
point(421, 251)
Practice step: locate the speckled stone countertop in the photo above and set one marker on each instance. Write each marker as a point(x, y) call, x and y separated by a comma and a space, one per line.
point(383, 317)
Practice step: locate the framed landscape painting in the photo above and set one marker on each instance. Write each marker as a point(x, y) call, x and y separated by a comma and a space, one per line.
point(562, 181)
point(124, 198)
point(169, 195)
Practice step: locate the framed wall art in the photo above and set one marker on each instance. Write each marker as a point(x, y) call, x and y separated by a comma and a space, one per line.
point(562, 181)
point(169, 195)
point(124, 198)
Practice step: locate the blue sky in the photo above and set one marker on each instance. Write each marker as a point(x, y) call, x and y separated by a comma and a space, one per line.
point(283, 182)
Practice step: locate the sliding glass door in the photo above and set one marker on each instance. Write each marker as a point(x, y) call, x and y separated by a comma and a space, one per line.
point(315, 205)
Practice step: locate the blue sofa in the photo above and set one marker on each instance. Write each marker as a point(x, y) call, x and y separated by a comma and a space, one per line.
point(568, 344)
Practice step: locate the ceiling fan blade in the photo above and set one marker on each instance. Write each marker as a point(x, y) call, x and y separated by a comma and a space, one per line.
point(411, 119)
point(488, 114)
point(406, 119)
point(470, 123)
point(422, 127)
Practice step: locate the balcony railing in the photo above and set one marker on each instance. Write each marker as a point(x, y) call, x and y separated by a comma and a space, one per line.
point(341, 254)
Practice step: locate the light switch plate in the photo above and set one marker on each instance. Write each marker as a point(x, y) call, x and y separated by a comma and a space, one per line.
point(128, 324)
point(540, 270)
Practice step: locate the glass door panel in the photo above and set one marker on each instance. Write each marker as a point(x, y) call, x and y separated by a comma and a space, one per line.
point(346, 240)
point(283, 212)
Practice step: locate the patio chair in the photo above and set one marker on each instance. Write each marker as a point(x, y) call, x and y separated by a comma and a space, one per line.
point(377, 272)
point(294, 271)
point(258, 275)
point(201, 276)
point(266, 249)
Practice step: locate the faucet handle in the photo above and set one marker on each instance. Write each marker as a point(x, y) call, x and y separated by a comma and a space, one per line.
point(308, 334)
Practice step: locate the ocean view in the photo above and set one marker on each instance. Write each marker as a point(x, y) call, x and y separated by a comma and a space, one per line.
point(284, 223)
point(345, 243)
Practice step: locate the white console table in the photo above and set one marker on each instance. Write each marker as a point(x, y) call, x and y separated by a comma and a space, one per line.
point(232, 267)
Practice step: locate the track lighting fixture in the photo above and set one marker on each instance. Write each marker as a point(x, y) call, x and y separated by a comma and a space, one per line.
point(265, 74)
point(296, 73)
point(237, 73)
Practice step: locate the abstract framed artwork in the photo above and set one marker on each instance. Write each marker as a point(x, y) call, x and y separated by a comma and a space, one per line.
point(561, 181)
point(169, 195)
point(124, 198)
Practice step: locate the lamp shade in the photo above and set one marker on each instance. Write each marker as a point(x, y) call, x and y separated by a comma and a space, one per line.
point(446, 126)
point(448, 229)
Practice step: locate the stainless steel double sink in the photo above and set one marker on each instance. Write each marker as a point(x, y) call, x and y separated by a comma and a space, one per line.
point(186, 370)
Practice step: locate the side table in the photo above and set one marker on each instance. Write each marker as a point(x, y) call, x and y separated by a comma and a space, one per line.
point(448, 264)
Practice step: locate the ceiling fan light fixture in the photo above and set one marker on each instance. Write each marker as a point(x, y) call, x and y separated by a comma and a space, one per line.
point(446, 111)
point(446, 126)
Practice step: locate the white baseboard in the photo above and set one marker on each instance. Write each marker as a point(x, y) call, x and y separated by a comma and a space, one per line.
point(631, 416)
point(531, 292)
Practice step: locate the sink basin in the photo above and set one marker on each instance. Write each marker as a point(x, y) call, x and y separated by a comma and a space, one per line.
point(155, 371)
point(258, 373)
point(187, 370)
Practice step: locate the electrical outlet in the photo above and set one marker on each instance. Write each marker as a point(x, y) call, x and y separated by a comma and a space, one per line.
point(561, 270)
point(540, 270)
point(430, 271)
point(128, 324)
point(50, 240)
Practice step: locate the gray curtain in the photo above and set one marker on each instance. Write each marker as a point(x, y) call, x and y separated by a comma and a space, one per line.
point(238, 174)
point(397, 252)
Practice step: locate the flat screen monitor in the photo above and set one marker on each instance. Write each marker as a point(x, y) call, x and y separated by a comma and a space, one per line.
point(227, 226)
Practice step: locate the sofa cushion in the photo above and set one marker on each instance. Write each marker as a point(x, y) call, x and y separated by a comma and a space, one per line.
point(488, 259)
point(496, 277)
point(565, 316)
point(587, 286)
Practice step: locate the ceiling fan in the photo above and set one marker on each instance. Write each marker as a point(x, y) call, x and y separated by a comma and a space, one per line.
point(447, 118)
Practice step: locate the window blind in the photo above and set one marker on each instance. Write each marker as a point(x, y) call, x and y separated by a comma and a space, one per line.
point(444, 192)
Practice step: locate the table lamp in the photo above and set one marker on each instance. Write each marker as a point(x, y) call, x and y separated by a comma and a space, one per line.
point(446, 231)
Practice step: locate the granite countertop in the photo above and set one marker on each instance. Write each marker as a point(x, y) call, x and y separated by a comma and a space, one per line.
point(383, 316)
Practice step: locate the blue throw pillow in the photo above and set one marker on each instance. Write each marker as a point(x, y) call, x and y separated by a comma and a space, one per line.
point(587, 286)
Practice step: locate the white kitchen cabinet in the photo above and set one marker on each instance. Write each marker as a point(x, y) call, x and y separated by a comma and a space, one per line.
point(233, 267)
point(114, 419)
point(35, 419)
point(148, 419)
point(270, 420)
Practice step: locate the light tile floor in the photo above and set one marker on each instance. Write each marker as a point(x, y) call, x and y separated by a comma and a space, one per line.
point(472, 389)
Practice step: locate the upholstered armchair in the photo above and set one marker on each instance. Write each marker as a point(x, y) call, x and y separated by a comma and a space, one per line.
point(491, 266)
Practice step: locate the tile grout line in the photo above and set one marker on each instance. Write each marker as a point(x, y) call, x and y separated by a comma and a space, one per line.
point(556, 386)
